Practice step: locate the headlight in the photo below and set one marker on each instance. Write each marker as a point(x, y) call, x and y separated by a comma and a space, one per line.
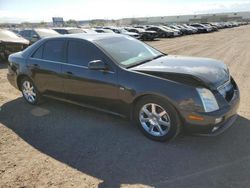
point(208, 100)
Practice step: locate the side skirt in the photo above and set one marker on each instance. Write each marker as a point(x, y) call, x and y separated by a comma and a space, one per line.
point(86, 106)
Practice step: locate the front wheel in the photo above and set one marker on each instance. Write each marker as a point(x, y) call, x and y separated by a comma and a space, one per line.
point(29, 91)
point(157, 119)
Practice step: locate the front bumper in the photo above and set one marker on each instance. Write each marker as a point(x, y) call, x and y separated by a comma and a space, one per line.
point(208, 126)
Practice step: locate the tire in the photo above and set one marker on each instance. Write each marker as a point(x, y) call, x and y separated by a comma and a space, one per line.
point(157, 125)
point(29, 91)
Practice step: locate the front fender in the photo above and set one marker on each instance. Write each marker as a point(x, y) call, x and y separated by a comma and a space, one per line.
point(136, 84)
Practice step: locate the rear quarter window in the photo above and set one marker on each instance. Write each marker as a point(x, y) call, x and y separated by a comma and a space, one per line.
point(38, 53)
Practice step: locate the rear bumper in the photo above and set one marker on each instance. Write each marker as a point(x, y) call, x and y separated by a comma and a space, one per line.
point(209, 126)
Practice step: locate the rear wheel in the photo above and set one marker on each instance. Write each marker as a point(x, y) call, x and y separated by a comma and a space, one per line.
point(29, 91)
point(157, 119)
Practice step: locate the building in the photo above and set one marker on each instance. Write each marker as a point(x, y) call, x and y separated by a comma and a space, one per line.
point(58, 21)
point(199, 18)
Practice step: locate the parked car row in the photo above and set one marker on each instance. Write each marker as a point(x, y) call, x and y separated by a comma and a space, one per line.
point(150, 32)
point(175, 30)
point(18, 39)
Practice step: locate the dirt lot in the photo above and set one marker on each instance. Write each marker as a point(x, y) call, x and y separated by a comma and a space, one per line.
point(61, 145)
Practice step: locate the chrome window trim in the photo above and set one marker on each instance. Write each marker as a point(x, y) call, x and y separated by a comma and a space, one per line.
point(58, 62)
point(69, 64)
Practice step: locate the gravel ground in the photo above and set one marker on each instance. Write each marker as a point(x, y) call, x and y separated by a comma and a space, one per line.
point(62, 145)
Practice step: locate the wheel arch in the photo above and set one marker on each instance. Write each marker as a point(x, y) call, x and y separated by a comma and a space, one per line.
point(179, 120)
point(19, 79)
point(141, 96)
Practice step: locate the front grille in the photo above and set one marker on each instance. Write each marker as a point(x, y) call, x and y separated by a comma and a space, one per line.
point(230, 94)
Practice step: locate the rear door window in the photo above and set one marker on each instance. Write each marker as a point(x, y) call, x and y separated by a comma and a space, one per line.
point(54, 50)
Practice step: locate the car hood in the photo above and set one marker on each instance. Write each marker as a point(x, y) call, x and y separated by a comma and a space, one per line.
point(212, 73)
point(14, 40)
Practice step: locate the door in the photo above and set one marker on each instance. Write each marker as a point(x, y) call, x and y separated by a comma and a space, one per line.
point(92, 87)
point(45, 66)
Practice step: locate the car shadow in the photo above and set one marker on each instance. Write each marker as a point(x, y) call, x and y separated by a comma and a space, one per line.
point(113, 150)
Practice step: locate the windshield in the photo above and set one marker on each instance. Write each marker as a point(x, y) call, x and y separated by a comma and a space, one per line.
point(122, 30)
point(88, 31)
point(73, 31)
point(141, 30)
point(46, 32)
point(162, 28)
point(107, 31)
point(166, 27)
point(175, 27)
point(128, 51)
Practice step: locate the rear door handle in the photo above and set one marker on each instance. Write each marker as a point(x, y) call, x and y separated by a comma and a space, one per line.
point(33, 66)
point(70, 73)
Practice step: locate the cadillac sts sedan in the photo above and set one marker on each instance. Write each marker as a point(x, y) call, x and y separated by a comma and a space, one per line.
point(119, 74)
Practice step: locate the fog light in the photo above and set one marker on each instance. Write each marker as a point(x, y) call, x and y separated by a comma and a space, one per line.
point(218, 120)
point(214, 129)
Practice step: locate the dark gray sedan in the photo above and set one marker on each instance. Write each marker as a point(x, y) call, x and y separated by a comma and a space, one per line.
point(121, 75)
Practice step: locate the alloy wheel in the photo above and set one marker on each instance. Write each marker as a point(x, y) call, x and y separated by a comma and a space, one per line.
point(29, 91)
point(154, 119)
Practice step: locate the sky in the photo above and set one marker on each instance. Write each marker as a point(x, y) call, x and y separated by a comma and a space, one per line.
point(16, 11)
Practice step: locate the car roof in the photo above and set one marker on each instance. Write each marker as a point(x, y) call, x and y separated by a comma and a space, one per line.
point(88, 36)
point(85, 36)
point(66, 28)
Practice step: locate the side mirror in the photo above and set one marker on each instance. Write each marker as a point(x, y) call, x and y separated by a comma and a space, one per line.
point(97, 65)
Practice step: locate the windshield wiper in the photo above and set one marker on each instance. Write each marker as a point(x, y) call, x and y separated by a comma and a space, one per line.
point(145, 61)
point(158, 56)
